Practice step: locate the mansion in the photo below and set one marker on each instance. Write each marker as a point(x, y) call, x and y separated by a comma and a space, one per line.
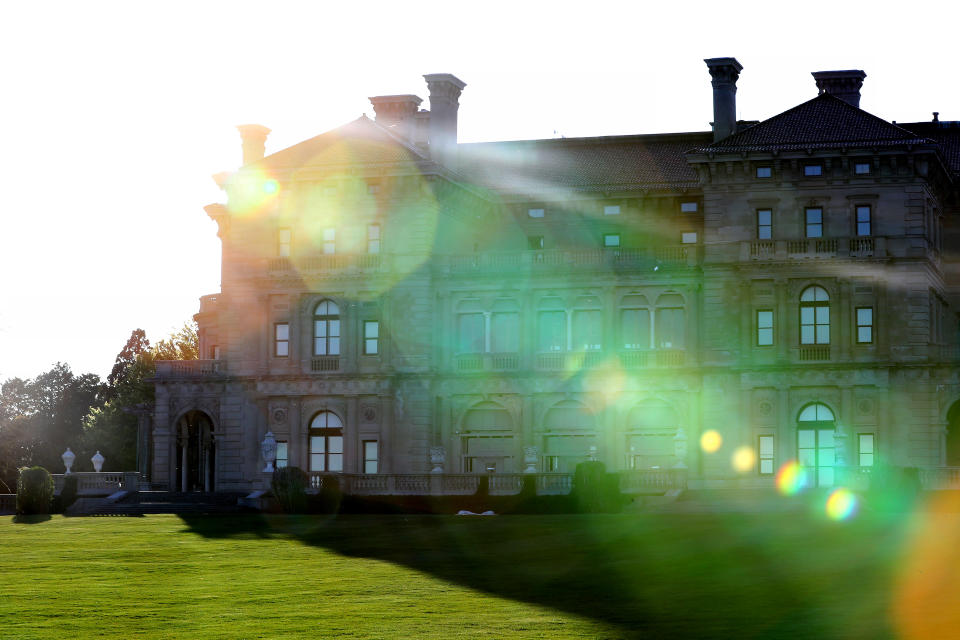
point(716, 303)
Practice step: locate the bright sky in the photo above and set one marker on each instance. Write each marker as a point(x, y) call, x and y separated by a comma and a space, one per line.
point(117, 114)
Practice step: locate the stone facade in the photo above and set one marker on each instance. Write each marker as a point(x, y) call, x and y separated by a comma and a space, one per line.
point(518, 307)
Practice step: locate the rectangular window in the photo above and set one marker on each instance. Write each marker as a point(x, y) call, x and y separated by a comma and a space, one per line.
point(535, 243)
point(688, 207)
point(371, 337)
point(764, 328)
point(688, 237)
point(814, 217)
point(765, 455)
point(283, 455)
point(587, 330)
point(215, 352)
point(611, 210)
point(505, 332)
point(283, 243)
point(552, 329)
point(861, 168)
point(535, 213)
point(764, 224)
point(373, 238)
point(611, 239)
point(864, 220)
point(371, 456)
point(329, 241)
point(864, 325)
point(865, 449)
point(812, 170)
point(670, 328)
point(635, 328)
point(764, 172)
point(281, 339)
point(326, 340)
point(471, 333)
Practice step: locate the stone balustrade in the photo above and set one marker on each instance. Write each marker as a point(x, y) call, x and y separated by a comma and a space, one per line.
point(608, 259)
point(104, 483)
point(190, 368)
point(807, 248)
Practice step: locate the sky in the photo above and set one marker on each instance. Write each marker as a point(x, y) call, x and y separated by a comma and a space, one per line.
point(117, 114)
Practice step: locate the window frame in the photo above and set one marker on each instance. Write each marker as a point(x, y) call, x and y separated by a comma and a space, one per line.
point(873, 450)
point(807, 224)
point(768, 226)
point(367, 339)
point(326, 432)
point(278, 341)
point(768, 169)
point(857, 222)
point(327, 319)
point(284, 242)
point(760, 328)
point(618, 238)
point(869, 326)
point(761, 457)
point(367, 459)
point(374, 241)
point(808, 170)
point(815, 305)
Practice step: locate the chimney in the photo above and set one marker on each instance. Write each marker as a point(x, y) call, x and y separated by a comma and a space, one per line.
point(843, 84)
point(397, 113)
point(725, 72)
point(444, 103)
point(254, 140)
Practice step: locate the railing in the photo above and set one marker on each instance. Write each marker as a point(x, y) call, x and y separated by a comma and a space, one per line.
point(653, 480)
point(189, 368)
point(443, 484)
point(814, 353)
point(861, 247)
point(763, 249)
point(940, 478)
point(332, 262)
point(90, 483)
point(681, 255)
point(487, 362)
point(325, 363)
point(805, 248)
point(653, 358)
point(567, 361)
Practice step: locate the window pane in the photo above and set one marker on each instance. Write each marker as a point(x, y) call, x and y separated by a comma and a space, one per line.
point(807, 457)
point(535, 213)
point(283, 349)
point(373, 246)
point(611, 240)
point(370, 347)
point(371, 329)
point(866, 443)
point(587, 330)
point(335, 444)
point(864, 316)
point(611, 210)
point(812, 170)
point(763, 172)
point(823, 334)
point(866, 459)
point(320, 328)
point(806, 438)
point(317, 444)
point(806, 315)
point(764, 337)
point(635, 328)
point(766, 445)
point(370, 450)
point(283, 331)
point(864, 334)
point(335, 461)
point(670, 328)
point(765, 319)
point(766, 467)
point(688, 237)
point(282, 455)
point(334, 327)
point(763, 216)
point(688, 207)
point(334, 349)
point(552, 330)
point(373, 232)
point(471, 333)
point(823, 315)
point(861, 168)
point(806, 334)
point(814, 231)
point(764, 233)
point(316, 462)
point(505, 332)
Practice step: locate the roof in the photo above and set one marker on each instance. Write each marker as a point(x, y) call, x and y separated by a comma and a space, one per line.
point(825, 122)
point(636, 162)
point(947, 137)
point(362, 141)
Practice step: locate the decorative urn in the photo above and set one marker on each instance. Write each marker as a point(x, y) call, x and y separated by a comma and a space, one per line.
point(437, 457)
point(97, 461)
point(268, 449)
point(68, 457)
point(530, 456)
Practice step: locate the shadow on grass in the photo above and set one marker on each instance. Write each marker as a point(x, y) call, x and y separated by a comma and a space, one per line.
point(32, 518)
point(670, 575)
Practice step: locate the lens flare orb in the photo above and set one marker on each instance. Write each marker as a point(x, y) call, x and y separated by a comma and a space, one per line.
point(711, 441)
point(790, 478)
point(841, 504)
point(743, 459)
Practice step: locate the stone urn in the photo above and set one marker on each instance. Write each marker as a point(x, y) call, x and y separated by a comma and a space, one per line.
point(438, 456)
point(530, 457)
point(97, 461)
point(268, 449)
point(68, 457)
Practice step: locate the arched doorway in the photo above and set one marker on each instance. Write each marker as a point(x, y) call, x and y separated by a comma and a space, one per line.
point(487, 439)
point(952, 458)
point(815, 444)
point(196, 453)
point(570, 437)
point(651, 429)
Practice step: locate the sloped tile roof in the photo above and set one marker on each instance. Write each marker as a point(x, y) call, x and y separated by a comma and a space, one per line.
point(825, 122)
point(362, 141)
point(612, 163)
point(947, 137)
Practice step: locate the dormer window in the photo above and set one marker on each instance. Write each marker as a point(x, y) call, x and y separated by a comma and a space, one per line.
point(535, 213)
point(813, 170)
point(764, 172)
point(688, 207)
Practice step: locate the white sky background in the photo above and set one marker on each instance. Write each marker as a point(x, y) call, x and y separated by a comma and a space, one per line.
point(115, 116)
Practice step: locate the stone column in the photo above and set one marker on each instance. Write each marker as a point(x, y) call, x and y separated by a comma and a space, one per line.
point(385, 447)
point(781, 323)
point(351, 442)
point(296, 444)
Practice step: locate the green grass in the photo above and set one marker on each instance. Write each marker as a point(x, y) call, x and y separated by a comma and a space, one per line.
point(789, 575)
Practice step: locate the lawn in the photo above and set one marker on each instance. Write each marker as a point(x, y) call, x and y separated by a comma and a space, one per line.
point(708, 575)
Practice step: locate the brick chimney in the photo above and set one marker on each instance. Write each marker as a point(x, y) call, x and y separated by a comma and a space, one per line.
point(444, 103)
point(253, 137)
point(843, 84)
point(724, 73)
point(397, 113)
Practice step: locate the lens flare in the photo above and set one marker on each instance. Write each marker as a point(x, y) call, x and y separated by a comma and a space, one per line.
point(270, 186)
point(841, 504)
point(791, 477)
point(711, 441)
point(743, 459)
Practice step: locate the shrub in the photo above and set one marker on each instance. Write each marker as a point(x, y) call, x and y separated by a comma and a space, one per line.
point(34, 491)
point(289, 486)
point(330, 496)
point(67, 496)
point(595, 490)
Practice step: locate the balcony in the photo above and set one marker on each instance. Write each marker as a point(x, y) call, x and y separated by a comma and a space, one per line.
point(559, 361)
point(813, 248)
point(325, 363)
point(487, 362)
point(814, 353)
point(364, 262)
point(546, 261)
point(167, 369)
point(653, 358)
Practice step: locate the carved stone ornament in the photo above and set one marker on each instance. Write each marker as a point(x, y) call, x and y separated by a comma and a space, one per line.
point(369, 414)
point(438, 456)
point(530, 457)
point(280, 415)
point(268, 449)
point(865, 406)
point(764, 408)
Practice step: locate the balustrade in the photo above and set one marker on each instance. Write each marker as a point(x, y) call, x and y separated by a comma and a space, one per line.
point(583, 258)
point(814, 353)
point(189, 368)
point(320, 263)
point(325, 363)
point(487, 362)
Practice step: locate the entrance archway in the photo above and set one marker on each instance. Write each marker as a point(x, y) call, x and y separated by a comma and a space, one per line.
point(953, 436)
point(196, 453)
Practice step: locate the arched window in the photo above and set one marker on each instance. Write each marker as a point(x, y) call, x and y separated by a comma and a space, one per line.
point(814, 316)
point(326, 329)
point(651, 428)
point(587, 327)
point(326, 442)
point(635, 323)
point(815, 444)
point(551, 325)
point(570, 437)
point(670, 324)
